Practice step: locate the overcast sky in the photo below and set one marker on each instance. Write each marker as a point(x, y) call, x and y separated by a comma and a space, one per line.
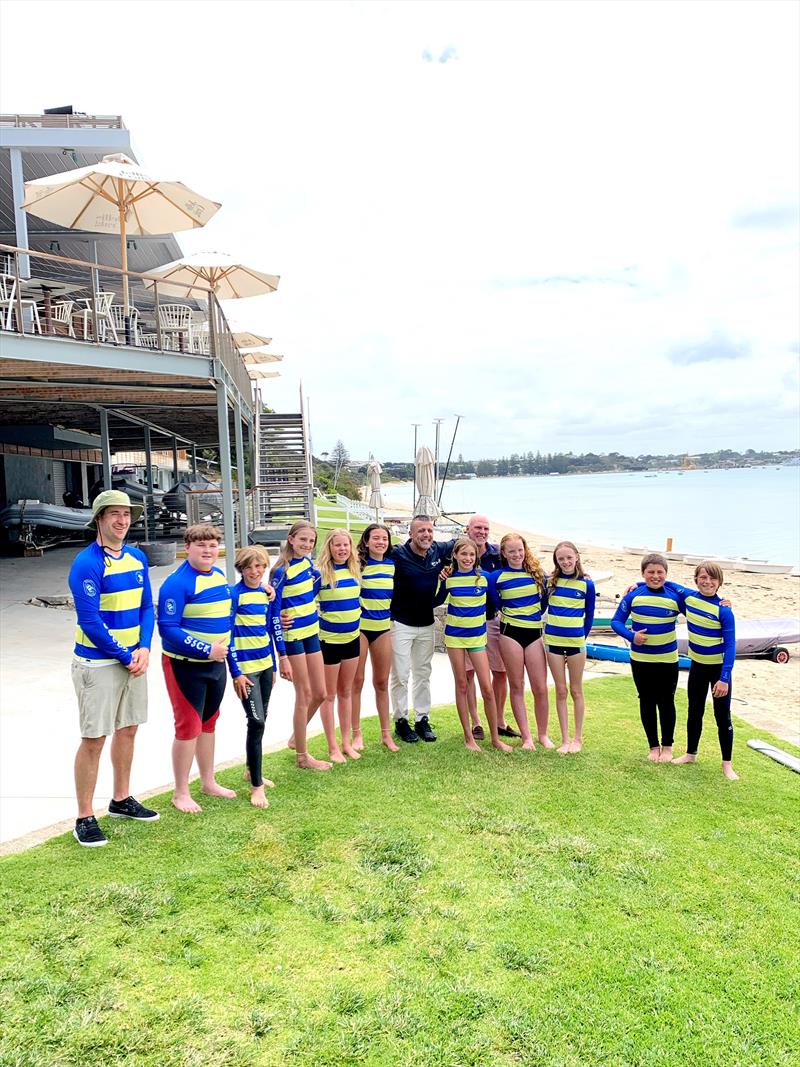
point(575, 224)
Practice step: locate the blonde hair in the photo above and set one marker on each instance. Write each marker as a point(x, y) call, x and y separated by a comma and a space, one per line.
point(250, 554)
point(285, 554)
point(712, 569)
point(325, 559)
point(460, 543)
point(529, 563)
point(557, 572)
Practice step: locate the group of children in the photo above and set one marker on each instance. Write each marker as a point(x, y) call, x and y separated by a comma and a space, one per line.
point(322, 619)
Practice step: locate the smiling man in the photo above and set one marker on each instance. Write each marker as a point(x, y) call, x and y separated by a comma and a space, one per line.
point(111, 588)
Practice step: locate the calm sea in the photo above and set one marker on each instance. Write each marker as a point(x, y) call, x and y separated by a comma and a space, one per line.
point(753, 511)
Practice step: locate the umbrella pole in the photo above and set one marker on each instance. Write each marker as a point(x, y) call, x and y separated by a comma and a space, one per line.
point(124, 261)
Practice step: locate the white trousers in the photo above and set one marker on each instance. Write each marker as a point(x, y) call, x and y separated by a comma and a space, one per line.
point(412, 653)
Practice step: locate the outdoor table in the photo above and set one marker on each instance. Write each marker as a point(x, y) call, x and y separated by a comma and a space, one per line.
point(48, 288)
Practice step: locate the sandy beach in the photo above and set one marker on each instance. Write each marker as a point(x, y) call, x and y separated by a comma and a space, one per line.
point(765, 694)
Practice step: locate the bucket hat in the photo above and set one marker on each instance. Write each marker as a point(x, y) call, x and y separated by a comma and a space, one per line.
point(114, 498)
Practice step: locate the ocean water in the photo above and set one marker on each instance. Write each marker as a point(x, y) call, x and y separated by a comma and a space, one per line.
point(750, 511)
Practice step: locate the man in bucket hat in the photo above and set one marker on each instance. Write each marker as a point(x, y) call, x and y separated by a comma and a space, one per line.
point(110, 585)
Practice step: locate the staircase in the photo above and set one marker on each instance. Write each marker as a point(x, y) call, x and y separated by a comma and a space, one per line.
point(284, 492)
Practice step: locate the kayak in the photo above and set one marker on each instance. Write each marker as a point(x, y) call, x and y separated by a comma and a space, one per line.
point(622, 654)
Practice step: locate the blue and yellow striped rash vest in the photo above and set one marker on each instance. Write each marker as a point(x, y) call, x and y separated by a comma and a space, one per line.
point(254, 626)
point(517, 596)
point(465, 623)
point(114, 604)
point(194, 612)
point(377, 585)
point(653, 610)
point(570, 612)
point(294, 583)
point(712, 632)
point(340, 608)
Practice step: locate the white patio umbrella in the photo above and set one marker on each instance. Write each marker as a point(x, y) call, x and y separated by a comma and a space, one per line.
point(245, 339)
point(426, 483)
point(260, 357)
point(117, 196)
point(374, 477)
point(193, 274)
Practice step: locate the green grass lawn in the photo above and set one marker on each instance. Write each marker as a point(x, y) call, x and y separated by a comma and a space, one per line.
point(432, 907)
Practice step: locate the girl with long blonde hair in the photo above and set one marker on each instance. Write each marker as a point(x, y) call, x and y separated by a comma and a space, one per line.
point(519, 593)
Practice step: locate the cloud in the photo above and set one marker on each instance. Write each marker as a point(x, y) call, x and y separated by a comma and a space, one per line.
point(564, 279)
point(716, 347)
point(444, 56)
point(775, 217)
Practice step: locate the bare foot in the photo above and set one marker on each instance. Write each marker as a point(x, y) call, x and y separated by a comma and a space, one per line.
point(390, 744)
point(501, 746)
point(563, 748)
point(186, 804)
point(214, 789)
point(729, 772)
point(472, 744)
point(290, 743)
point(528, 745)
point(245, 775)
point(336, 756)
point(350, 750)
point(688, 758)
point(308, 763)
point(545, 741)
point(653, 755)
point(358, 741)
point(269, 784)
point(666, 754)
point(576, 744)
point(257, 798)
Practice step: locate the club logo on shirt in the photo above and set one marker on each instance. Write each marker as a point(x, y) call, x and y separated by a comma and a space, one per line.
point(89, 587)
point(140, 578)
point(170, 606)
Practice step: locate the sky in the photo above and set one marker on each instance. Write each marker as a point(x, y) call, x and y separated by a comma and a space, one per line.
point(573, 224)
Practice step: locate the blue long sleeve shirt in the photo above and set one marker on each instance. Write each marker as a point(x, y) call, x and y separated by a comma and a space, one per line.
point(194, 612)
point(113, 602)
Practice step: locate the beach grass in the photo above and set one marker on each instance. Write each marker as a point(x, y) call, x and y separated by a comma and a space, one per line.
point(431, 907)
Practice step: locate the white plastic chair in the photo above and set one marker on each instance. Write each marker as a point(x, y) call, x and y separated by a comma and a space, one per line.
point(175, 320)
point(8, 293)
point(104, 320)
point(62, 314)
point(117, 312)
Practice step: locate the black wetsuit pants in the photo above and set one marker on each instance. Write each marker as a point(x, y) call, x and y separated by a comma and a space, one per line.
point(656, 684)
point(702, 677)
point(255, 708)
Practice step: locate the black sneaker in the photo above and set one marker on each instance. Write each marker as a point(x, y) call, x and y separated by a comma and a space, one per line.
point(129, 808)
point(423, 729)
point(88, 833)
point(477, 732)
point(403, 731)
point(507, 731)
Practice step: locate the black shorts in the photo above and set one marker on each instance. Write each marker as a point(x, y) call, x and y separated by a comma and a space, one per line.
point(523, 635)
point(336, 653)
point(562, 650)
point(373, 635)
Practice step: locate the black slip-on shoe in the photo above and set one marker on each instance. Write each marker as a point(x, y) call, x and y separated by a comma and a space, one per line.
point(130, 808)
point(402, 730)
point(477, 732)
point(508, 731)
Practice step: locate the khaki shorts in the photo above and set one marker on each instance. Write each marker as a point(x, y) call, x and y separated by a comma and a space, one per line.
point(108, 698)
point(496, 664)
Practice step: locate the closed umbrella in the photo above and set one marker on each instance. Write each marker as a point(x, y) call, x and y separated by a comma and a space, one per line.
point(374, 477)
point(260, 357)
point(257, 372)
point(426, 483)
point(194, 274)
point(117, 196)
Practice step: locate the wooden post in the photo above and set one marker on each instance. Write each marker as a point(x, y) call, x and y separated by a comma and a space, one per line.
point(669, 544)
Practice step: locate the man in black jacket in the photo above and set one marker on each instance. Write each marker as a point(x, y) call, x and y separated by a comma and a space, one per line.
point(417, 566)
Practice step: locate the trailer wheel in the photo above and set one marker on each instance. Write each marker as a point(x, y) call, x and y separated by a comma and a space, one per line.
point(779, 655)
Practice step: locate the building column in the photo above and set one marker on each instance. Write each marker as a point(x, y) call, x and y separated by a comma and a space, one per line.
point(105, 448)
point(175, 458)
point(20, 217)
point(254, 472)
point(194, 459)
point(85, 484)
point(240, 474)
point(149, 509)
point(224, 438)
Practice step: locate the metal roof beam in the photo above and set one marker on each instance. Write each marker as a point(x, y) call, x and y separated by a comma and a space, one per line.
point(41, 139)
point(117, 357)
